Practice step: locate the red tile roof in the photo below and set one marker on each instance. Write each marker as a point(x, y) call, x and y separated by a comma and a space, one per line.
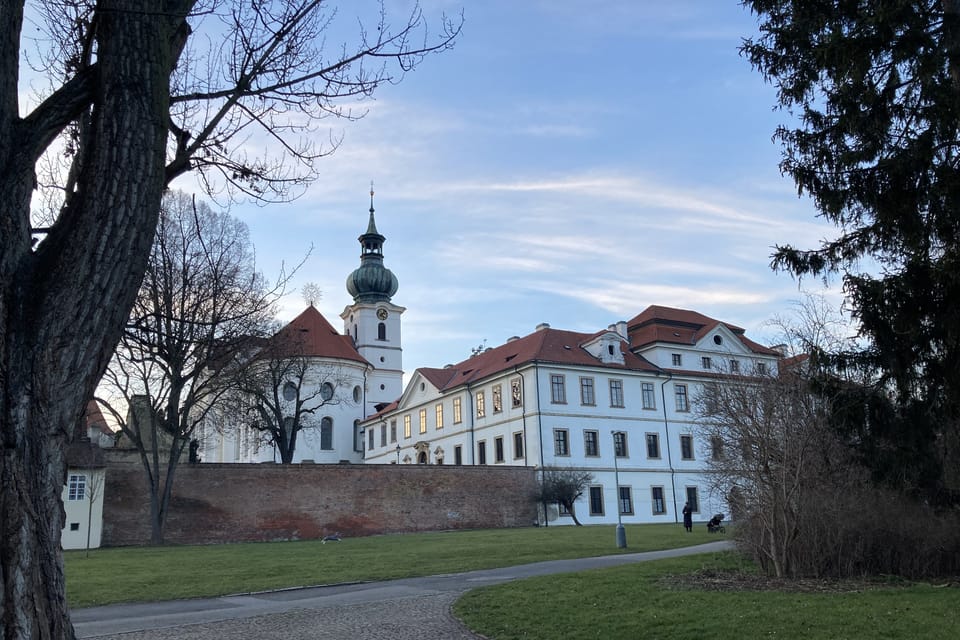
point(547, 346)
point(93, 417)
point(680, 326)
point(310, 335)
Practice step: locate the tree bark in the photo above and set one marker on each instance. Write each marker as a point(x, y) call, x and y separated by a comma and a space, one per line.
point(62, 304)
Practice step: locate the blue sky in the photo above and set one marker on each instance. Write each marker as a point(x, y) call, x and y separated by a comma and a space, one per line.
point(569, 163)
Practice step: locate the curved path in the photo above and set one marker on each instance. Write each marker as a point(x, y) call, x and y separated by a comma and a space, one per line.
point(408, 609)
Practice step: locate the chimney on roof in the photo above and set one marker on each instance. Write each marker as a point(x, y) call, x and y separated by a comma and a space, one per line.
point(512, 338)
point(542, 326)
point(620, 328)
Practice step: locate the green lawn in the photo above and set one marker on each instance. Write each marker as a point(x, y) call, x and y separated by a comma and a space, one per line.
point(134, 574)
point(628, 602)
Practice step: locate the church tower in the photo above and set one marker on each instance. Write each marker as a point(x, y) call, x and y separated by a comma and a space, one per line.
point(373, 321)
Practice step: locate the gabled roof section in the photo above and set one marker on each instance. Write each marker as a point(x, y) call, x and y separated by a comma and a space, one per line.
point(310, 335)
point(680, 326)
point(546, 346)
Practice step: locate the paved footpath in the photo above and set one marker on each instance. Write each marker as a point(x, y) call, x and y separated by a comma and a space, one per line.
point(408, 609)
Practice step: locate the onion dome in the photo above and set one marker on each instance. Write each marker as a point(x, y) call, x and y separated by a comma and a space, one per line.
point(371, 281)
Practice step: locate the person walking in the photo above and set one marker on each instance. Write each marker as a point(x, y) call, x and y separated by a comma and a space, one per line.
point(687, 517)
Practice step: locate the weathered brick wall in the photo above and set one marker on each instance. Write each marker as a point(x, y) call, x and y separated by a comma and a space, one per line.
point(259, 502)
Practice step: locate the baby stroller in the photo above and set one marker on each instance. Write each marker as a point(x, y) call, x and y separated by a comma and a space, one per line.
point(714, 526)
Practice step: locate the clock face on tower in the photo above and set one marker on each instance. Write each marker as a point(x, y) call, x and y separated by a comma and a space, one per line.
point(382, 314)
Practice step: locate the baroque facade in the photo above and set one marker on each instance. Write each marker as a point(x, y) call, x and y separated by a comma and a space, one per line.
point(617, 403)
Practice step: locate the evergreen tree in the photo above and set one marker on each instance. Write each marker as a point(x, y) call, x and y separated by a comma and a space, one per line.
point(874, 91)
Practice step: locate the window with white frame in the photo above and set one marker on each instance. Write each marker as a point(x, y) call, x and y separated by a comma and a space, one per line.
point(676, 359)
point(596, 501)
point(393, 430)
point(681, 397)
point(716, 448)
point(383, 434)
point(406, 426)
point(616, 393)
point(561, 442)
point(326, 434)
point(517, 445)
point(76, 486)
point(591, 444)
point(625, 500)
point(497, 397)
point(558, 391)
point(653, 445)
point(439, 412)
point(587, 395)
point(657, 502)
point(457, 416)
point(516, 393)
point(693, 499)
point(649, 397)
point(457, 454)
point(498, 454)
point(620, 444)
point(706, 362)
point(761, 368)
point(686, 447)
point(482, 452)
point(734, 366)
point(423, 420)
point(481, 404)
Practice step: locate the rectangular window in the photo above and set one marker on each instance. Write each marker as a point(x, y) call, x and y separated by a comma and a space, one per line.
point(423, 420)
point(657, 501)
point(458, 455)
point(716, 448)
point(591, 446)
point(676, 359)
point(626, 500)
point(497, 397)
point(370, 438)
point(686, 447)
point(393, 430)
point(406, 426)
point(481, 405)
point(383, 434)
point(734, 366)
point(596, 501)
point(587, 396)
point(653, 445)
point(561, 442)
point(518, 445)
point(498, 449)
point(705, 362)
point(620, 444)
point(482, 452)
point(357, 436)
point(439, 416)
point(76, 487)
point(680, 395)
point(761, 368)
point(649, 397)
point(693, 499)
point(516, 393)
point(457, 417)
point(558, 392)
point(616, 393)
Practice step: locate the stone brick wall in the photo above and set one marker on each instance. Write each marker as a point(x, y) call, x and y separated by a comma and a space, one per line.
point(260, 502)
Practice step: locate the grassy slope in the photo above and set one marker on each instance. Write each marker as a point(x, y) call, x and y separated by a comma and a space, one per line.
point(134, 574)
point(627, 602)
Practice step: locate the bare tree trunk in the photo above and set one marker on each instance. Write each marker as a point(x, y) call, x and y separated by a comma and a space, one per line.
point(63, 304)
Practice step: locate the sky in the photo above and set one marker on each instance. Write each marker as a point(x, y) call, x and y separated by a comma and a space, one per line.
point(566, 162)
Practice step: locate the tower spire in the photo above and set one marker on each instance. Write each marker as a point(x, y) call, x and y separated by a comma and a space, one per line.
point(372, 281)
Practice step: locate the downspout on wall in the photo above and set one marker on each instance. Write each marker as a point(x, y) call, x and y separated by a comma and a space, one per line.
point(666, 433)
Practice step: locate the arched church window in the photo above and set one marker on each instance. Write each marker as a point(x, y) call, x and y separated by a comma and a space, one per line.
point(422, 458)
point(326, 433)
point(289, 391)
point(381, 331)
